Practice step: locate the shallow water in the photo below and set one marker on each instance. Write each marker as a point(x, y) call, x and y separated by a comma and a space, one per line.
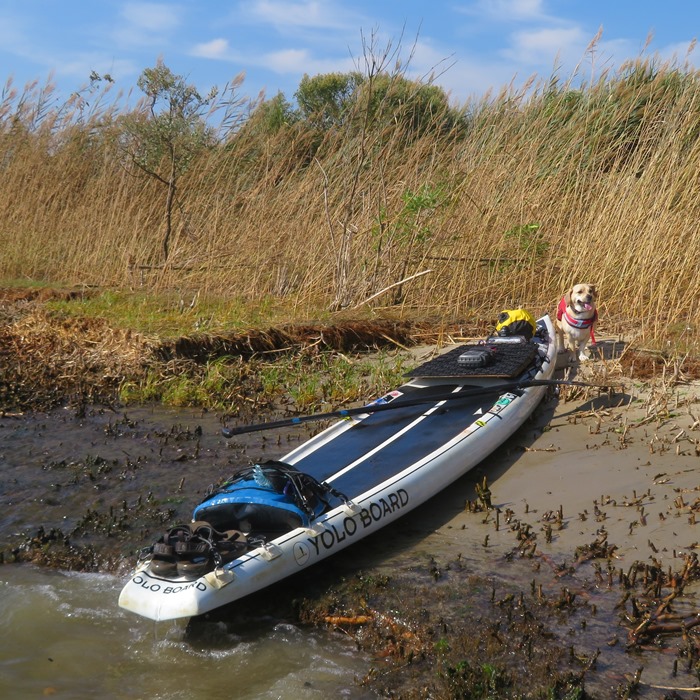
point(63, 636)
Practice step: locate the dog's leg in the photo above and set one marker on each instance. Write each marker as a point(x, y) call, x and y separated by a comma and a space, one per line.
point(569, 343)
point(561, 340)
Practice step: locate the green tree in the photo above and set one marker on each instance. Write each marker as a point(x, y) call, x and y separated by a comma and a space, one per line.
point(418, 107)
point(164, 137)
point(336, 99)
point(326, 100)
point(270, 116)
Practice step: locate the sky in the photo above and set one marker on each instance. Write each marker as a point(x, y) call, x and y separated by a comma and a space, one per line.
point(468, 47)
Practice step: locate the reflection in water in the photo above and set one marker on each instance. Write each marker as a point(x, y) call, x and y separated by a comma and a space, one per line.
point(63, 636)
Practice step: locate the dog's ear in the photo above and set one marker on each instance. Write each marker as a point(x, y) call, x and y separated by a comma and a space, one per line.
point(567, 296)
point(593, 290)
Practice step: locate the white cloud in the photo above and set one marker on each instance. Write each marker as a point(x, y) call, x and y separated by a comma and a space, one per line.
point(146, 23)
point(319, 14)
point(12, 34)
point(151, 16)
point(294, 61)
point(472, 78)
point(318, 33)
point(427, 61)
point(506, 10)
point(288, 61)
point(218, 49)
point(681, 53)
point(540, 47)
point(516, 9)
point(82, 65)
point(283, 62)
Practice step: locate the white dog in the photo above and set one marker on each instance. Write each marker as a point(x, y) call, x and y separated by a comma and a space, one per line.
point(576, 316)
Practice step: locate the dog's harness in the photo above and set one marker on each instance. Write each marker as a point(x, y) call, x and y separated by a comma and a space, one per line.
point(581, 323)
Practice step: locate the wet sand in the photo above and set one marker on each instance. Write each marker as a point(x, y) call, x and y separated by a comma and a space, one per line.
point(628, 470)
point(625, 463)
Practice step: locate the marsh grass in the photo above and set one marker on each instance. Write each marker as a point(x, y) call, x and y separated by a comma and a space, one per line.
point(218, 384)
point(532, 190)
point(307, 381)
point(323, 379)
point(176, 313)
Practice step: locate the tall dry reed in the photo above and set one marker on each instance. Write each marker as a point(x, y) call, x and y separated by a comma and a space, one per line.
point(529, 193)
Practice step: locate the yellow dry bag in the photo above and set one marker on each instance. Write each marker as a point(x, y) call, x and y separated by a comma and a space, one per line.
point(516, 322)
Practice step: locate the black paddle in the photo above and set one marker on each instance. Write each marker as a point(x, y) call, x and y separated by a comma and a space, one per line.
point(375, 408)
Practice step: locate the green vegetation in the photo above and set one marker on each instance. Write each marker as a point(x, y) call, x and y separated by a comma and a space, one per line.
point(372, 194)
point(312, 381)
point(327, 100)
point(307, 381)
point(174, 314)
point(404, 238)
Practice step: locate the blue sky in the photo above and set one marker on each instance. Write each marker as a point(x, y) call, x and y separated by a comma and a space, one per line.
point(470, 46)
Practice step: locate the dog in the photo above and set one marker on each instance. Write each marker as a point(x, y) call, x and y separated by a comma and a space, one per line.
point(576, 315)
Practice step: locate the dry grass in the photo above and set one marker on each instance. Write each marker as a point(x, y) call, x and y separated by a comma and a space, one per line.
point(598, 183)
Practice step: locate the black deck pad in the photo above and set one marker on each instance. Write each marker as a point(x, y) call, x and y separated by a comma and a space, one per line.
point(376, 459)
point(509, 361)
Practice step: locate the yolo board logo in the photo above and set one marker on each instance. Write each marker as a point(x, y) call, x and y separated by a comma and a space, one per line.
point(148, 584)
point(338, 532)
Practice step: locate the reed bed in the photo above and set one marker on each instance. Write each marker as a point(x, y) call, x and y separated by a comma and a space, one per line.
point(523, 195)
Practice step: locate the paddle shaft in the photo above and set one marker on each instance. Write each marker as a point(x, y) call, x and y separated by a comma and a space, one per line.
point(377, 407)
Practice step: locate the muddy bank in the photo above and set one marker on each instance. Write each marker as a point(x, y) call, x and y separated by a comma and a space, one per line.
point(86, 492)
point(49, 359)
point(571, 565)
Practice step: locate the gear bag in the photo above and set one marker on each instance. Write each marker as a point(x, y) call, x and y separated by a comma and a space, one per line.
point(514, 322)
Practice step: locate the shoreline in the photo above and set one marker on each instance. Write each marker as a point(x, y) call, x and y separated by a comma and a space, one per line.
point(593, 512)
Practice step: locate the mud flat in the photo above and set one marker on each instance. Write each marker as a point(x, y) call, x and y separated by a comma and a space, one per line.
point(565, 564)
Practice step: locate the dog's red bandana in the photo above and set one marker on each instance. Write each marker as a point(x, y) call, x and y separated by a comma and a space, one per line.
point(576, 322)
